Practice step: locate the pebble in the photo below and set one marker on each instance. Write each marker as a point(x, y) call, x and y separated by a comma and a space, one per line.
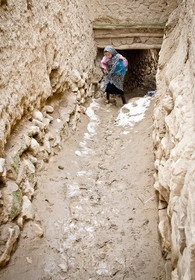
point(49, 109)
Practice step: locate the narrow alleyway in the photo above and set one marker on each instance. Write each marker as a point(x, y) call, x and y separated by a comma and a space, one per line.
point(96, 203)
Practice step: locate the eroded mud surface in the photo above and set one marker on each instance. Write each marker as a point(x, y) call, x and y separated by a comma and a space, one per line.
point(96, 204)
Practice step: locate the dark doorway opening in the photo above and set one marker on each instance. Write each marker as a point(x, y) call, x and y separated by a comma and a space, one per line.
point(141, 75)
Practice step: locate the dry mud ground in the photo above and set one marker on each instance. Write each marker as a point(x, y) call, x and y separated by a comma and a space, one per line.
point(96, 203)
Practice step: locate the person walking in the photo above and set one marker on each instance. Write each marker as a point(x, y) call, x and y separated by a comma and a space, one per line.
point(116, 66)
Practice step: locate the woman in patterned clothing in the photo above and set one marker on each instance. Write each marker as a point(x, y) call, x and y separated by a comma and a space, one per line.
point(113, 83)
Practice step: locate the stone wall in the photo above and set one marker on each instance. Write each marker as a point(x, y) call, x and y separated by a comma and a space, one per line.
point(131, 11)
point(47, 55)
point(174, 142)
point(41, 43)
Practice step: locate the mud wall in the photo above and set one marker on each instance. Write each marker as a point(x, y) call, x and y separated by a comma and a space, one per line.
point(47, 55)
point(41, 42)
point(131, 11)
point(174, 142)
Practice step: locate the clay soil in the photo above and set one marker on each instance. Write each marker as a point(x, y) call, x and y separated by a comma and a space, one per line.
point(96, 204)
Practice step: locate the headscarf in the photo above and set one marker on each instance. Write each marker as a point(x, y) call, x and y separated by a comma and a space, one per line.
point(110, 63)
point(111, 50)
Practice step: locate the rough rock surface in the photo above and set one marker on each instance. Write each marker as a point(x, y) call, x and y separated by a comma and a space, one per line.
point(132, 12)
point(41, 43)
point(174, 141)
point(28, 151)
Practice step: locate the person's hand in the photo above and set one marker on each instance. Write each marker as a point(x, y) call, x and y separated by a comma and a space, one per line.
point(121, 57)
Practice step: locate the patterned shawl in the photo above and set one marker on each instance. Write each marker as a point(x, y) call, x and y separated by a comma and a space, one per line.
point(110, 65)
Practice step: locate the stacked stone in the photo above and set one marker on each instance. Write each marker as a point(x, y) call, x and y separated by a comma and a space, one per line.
point(28, 151)
point(79, 86)
point(38, 53)
point(18, 180)
point(174, 143)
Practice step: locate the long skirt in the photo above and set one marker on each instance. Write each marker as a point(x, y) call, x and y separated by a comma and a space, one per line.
point(112, 89)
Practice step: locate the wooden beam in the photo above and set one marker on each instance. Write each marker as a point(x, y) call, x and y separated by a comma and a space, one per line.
point(132, 46)
point(129, 36)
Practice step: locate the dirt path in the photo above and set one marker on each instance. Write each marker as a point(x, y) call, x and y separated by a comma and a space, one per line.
point(96, 205)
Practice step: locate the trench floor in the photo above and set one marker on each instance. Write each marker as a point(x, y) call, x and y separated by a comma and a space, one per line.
point(96, 204)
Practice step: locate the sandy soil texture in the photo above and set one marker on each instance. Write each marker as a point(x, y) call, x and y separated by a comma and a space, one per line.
point(96, 203)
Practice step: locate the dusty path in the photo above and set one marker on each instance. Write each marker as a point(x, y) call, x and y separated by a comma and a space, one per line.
point(96, 205)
